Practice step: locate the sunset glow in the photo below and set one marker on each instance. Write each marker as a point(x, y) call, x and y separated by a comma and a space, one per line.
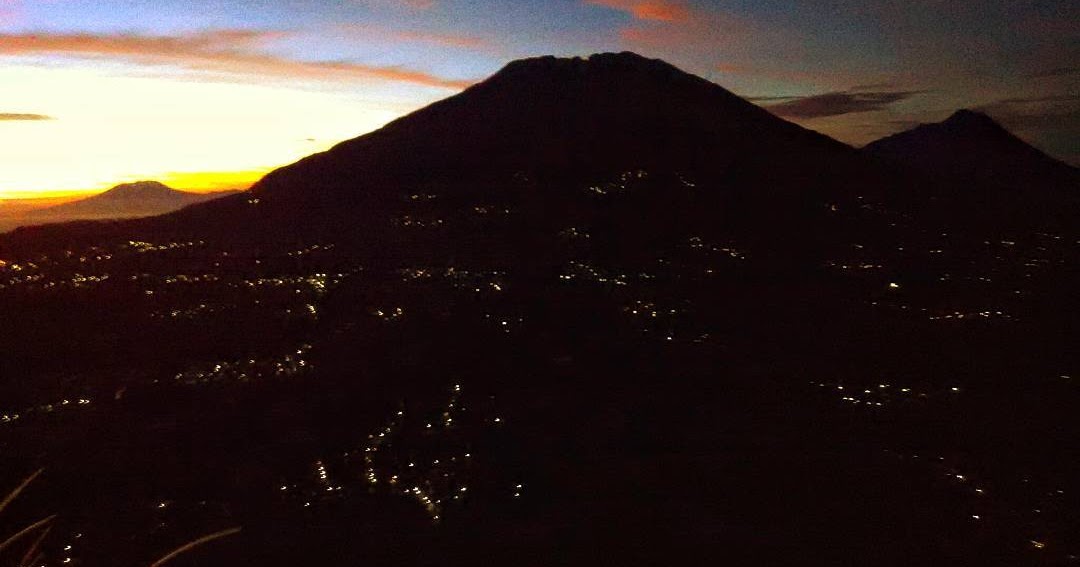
point(197, 135)
point(207, 95)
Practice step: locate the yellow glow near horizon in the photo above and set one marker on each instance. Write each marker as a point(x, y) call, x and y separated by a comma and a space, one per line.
point(194, 182)
point(193, 135)
point(207, 181)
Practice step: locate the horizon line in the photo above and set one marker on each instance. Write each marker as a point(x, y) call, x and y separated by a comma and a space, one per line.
point(188, 182)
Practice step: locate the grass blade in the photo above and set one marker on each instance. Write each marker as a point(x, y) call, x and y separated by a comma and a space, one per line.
point(32, 553)
point(193, 544)
point(15, 493)
point(25, 531)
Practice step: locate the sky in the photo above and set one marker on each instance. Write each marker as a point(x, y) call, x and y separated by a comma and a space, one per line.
point(212, 94)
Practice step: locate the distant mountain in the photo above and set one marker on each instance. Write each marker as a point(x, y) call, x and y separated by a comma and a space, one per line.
point(971, 147)
point(139, 199)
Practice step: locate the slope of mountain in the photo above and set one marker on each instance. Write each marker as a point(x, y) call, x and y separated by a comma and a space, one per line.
point(971, 147)
point(139, 199)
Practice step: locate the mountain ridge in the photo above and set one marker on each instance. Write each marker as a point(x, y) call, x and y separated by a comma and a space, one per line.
point(541, 131)
point(970, 146)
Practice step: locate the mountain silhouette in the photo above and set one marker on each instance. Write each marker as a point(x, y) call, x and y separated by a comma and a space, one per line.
point(551, 117)
point(970, 146)
point(138, 199)
point(559, 120)
point(534, 138)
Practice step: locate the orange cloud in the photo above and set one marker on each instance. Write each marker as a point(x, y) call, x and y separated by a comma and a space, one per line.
point(649, 10)
point(701, 32)
point(222, 51)
point(18, 116)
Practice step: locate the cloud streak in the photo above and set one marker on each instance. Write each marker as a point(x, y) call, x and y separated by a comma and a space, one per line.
point(16, 117)
point(220, 51)
point(648, 10)
point(838, 103)
point(1066, 98)
point(410, 5)
point(1048, 113)
point(1059, 72)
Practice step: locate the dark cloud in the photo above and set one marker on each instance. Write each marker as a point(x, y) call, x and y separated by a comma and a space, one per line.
point(1052, 112)
point(873, 87)
point(770, 98)
point(12, 116)
point(1040, 99)
point(1059, 72)
point(838, 103)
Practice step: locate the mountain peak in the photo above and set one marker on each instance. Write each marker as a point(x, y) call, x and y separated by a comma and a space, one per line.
point(965, 118)
point(563, 116)
point(137, 199)
point(548, 63)
point(972, 147)
point(140, 189)
point(553, 70)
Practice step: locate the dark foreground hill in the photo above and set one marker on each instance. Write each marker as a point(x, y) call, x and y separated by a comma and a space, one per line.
point(589, 311)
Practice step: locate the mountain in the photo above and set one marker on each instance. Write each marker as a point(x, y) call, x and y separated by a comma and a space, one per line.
point(139, 199)
point(535, 137)
point(557, 120)
point(553, 117)
point(971, 147)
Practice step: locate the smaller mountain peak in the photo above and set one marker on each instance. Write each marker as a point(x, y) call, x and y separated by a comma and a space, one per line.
point(970, 146)
point(970, 118)
point(141, 187)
